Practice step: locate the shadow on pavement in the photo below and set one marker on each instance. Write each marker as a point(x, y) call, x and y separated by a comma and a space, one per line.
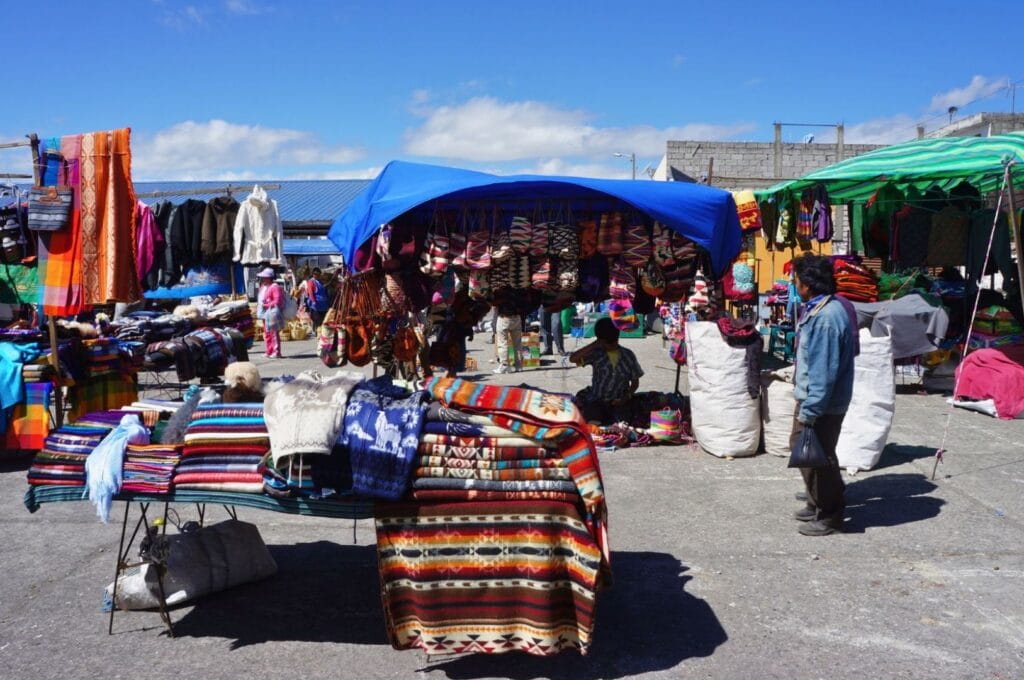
point(645, 622)
point(889, 500)
point(325, 592)
point(898, 454)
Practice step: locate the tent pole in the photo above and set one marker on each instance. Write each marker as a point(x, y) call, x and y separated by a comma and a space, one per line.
point(1015, 228)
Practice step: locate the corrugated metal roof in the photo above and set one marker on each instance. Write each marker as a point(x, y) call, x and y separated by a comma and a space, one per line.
point(320, 200)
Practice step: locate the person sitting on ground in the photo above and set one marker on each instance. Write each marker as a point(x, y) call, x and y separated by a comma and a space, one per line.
point(616, 375)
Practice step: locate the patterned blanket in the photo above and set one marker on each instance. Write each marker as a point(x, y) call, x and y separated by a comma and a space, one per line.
point(471, 449)
point(487, 577)
point(539, 416)
point(445, 461)
point(565, 486)
point(512, 474)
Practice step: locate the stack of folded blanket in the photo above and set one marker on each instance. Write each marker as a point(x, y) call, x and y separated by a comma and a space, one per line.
point(61, 461)
point(224, 449)
point(148, 467)
point(212, 348)
point(37, 372)
point(465, 456)
point(234, 314)
point(101, 356)
point(854, 281)
point(165, 354)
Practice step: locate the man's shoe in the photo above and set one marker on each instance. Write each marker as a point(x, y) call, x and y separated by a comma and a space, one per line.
point(817, 528)
point(805, 514)
point(801, 496)
point(503, 369)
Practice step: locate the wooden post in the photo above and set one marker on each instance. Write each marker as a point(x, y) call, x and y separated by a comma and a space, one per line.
point(1015, 228)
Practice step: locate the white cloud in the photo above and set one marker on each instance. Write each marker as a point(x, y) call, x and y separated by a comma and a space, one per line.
point(244, 7)
point(979, 88)
point(882, 130)
point(559, 166)
point(217, 148)
point(485, 129)
point(182, 18)
point(360, 173)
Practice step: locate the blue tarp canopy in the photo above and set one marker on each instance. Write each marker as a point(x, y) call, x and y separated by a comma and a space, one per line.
point(703, 214)
point(308, 246)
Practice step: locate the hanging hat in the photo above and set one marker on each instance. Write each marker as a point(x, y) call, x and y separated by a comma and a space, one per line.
point(267, 273)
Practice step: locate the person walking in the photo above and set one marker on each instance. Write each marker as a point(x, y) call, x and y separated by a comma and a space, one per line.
point(826, 346)
point(270, 309)
point(551, 330)
point(314, 295)
point(508, 328)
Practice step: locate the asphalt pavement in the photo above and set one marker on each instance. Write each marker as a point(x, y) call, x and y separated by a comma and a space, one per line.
point(711, 578)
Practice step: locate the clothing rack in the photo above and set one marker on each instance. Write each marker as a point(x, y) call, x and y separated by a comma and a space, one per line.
point(227, 189)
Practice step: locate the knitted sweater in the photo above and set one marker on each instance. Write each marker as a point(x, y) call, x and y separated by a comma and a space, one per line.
point(306, 414)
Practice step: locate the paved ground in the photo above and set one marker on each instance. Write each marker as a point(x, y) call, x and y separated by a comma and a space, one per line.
point(711, 577)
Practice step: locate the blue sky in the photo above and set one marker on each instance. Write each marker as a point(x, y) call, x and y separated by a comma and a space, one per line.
point(239, 89)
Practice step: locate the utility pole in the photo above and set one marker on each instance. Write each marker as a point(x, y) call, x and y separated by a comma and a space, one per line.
point(778, 151)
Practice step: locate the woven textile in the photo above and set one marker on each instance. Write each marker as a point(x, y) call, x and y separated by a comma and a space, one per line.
point(225, 445)
point(61, 461)
point(108, 392)
point(487, 577)
point(542, 417)
point(30, 420)
point(443, 495)
point(148, 468)
point(446, 461)
point(507, 475)
point(60, 252)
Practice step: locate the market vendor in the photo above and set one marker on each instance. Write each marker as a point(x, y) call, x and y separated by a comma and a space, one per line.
point(616, 375)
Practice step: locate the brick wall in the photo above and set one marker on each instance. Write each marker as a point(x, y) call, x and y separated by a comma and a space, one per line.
point(751, 165)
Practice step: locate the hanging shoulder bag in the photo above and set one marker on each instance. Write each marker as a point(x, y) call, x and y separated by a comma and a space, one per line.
point(49, 208)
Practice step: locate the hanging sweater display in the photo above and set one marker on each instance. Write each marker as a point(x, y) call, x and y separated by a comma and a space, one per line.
point(187, 233)
point(258, 231)
point(305, 415)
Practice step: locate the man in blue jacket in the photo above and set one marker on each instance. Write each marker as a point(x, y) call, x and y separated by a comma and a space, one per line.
point(826, 346)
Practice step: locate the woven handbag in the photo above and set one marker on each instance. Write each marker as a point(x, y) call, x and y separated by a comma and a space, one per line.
point(519, 273)
point(539, 240)
point(661, 245)
point(586, 231)
point(480, 284)
point(563, 242)
point(49, 208)
point(622, 315)
point(457, 250)
point(478, 249)
point(435, 256)
point(609, 234)
point(542, 277)
point(500, 273)
point(501, 246)
point(652, 279)
point(621, 280)
point(568, 278)
point(683, 249)
point(636, 245)
point(520, 235)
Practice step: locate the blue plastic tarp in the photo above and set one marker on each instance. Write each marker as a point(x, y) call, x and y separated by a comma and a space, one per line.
point(308, 246)
point(202, 280)
point(703, 214)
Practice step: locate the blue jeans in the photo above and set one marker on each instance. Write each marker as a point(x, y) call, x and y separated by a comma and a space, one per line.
point(551, 328)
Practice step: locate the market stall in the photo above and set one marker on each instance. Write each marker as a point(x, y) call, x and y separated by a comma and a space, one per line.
point(936, 260)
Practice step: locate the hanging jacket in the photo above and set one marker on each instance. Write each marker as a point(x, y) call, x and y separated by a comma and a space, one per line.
point(167, 270)
point(218, 223)
point(187, 232)
point(258, 230)
point(149, 247)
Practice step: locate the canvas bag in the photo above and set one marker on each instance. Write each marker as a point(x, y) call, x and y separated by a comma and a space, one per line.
point(725, 420)
point(872, 405)
point(777, 409)
point(609, 234)
point(636, 245)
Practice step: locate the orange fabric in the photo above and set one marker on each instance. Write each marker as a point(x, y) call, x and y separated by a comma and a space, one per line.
point(108, 219)
point(60, 267)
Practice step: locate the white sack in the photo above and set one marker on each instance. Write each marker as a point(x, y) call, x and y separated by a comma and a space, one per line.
point(726, 421)
point(201, 562)
point(777, 408)
point(869, 418)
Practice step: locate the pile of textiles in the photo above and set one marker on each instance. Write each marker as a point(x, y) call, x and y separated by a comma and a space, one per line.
point(225, 445)
point(619, 436)
point(234, 314)
point(162, 355)
point(487, 577)
point(778, 294)
point(995, 326)
point(37, 372)
point(101, 357)
point(854, 281)
point(61, 461)
point(108, 392)
point(29, 422)
point(212, 350)
point(465, 456)
point(894, 286)
point(148, 467)
point(150, 327)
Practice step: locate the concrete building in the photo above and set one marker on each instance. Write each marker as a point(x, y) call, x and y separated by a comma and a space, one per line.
point(980, 125)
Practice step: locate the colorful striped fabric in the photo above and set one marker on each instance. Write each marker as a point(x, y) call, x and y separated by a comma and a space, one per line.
point(148, 468)
point(487, 577)
point(512, 474)
point(539, 416)
point(444, 461)
point(104, 393)
point(30, 420)
point(225, 446)
point(61, 460)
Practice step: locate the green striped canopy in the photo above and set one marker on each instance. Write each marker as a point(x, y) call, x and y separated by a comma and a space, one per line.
point(923, 164)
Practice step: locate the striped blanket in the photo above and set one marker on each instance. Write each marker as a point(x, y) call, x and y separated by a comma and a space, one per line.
point(487, 577)
point(511, 474)
point(225, 446)
point(61, 461)
point(444, 461)
point(30, 420)
point(481, 449)
point(148, 468)
point(542, 416)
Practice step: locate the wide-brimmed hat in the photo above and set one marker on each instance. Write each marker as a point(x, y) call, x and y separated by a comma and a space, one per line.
point(267, 273)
